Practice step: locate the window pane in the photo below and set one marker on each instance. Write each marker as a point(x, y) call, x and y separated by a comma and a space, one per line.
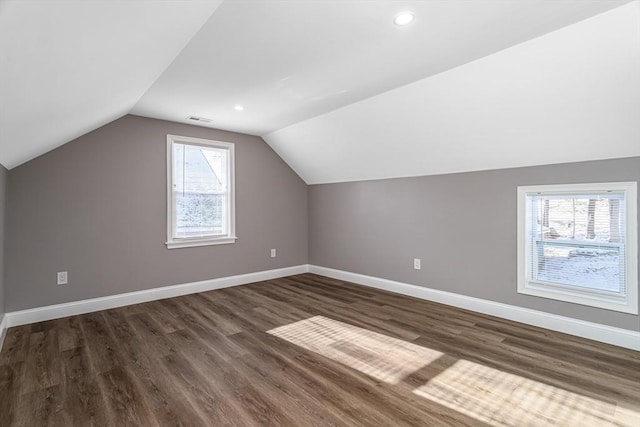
point(587, 267)
point(578, 241)
point(200, 190)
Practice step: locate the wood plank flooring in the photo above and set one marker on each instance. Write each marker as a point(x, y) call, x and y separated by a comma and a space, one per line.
point(309, 351)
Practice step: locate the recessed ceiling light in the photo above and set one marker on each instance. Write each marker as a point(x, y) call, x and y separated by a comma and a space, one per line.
point(238, 108)
point(404, 18)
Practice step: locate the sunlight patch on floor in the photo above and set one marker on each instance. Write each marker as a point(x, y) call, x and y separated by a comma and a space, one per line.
point(385, 358)
point(503, 399)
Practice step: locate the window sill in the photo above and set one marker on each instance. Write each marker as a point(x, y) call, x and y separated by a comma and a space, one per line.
point(190, 243)
point(628, 305)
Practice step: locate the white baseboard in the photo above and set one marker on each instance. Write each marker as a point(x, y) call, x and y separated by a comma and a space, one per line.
point(3, 330)
point(39, 314)
point(594, 331)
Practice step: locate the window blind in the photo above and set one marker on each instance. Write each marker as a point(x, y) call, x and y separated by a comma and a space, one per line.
point(577, 241)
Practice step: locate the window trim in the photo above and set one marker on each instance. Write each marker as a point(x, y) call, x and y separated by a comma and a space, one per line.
point(567, 294)
point(175, 242)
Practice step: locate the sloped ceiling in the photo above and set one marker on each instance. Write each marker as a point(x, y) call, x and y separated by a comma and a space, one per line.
point(570, 95)
point(68, 67)
point(337, 89)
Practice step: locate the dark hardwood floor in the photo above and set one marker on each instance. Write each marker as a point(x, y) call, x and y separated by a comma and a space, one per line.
point(308, 350)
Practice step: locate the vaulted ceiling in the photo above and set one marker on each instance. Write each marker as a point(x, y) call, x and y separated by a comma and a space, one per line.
point(335, 87)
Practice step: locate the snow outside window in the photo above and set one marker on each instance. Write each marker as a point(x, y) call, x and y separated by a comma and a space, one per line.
point(578, 243)
point(200, 192)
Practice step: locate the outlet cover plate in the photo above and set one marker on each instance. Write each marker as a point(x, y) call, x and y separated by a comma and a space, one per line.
point(63, 277)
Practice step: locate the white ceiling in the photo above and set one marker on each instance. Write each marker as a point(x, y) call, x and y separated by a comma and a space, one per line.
point(570, 95)
point(287, 61)
point(323, 81)
point(68, 67)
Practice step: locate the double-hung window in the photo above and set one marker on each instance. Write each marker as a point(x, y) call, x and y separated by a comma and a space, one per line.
point(200, 192)
point(578, 243)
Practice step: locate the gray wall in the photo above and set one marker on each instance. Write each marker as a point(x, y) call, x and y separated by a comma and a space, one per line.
point(3, 209)
point(462, 226)
point(96, 207)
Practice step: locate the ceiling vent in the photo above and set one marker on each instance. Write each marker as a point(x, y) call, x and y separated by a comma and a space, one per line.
point(199, 119)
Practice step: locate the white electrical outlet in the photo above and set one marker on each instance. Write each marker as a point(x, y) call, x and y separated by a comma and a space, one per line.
point(273, 253)
point(63, 277)
point(416, 263)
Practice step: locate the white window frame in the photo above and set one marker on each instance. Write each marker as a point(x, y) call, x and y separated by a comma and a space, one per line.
point(177, 242)
point(568, 294)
